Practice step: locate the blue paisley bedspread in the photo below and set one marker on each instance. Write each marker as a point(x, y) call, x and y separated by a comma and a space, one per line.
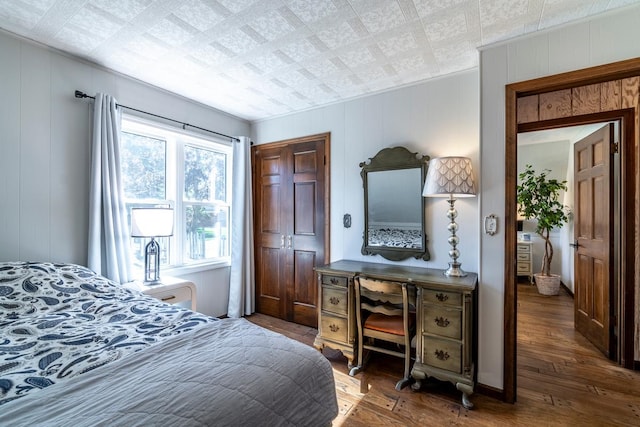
point(61, 320)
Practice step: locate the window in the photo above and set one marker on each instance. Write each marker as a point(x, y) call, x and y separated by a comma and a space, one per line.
point(166, 167)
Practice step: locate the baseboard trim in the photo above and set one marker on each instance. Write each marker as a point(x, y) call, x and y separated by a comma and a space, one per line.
point(494, 393)
point(567, 289)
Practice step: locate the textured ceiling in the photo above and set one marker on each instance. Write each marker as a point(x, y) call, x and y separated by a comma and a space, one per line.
point(262, 58)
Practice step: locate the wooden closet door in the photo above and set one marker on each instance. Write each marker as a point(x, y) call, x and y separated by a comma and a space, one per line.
point(291, 189)
point(271, 175)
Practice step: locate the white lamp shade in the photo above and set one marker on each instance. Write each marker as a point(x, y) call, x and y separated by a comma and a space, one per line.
point(151, 222)
point(449, 177)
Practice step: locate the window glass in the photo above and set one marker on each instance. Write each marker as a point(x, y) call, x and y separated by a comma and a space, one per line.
point(143, 163)
point(204, 175)
point(206, 223)
point(169, 168)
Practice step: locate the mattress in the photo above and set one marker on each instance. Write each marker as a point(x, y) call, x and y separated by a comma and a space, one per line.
point(77, 349)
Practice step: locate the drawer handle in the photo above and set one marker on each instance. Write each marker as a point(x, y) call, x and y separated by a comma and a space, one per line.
point(333, 281)
point(170, 297)
point(442, 322)
point(441, 354)
point(334, 300)
point(442, 297)
point(334, 328)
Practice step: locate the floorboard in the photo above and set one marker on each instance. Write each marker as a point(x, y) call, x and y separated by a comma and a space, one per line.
point(563, 380)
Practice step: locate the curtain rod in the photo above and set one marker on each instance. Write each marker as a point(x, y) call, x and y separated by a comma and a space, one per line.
point(80, 94)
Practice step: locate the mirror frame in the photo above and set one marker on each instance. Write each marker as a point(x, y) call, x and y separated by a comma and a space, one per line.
point(394, 158)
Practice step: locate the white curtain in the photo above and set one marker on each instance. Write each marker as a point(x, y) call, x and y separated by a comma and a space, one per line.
point(242, 282)
point(108, 227)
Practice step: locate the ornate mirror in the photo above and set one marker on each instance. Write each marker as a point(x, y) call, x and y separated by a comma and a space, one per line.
point(393, 204)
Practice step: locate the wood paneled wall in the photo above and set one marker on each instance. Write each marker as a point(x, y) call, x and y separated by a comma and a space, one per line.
point(595, 98)
point(591, 99)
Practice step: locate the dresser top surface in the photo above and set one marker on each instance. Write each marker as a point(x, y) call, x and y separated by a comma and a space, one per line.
point(400, 273)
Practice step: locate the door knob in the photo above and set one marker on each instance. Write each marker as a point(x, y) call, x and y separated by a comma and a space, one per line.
point(574, 245)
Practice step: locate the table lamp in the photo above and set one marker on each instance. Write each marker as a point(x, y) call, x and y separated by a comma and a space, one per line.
point(450, 177)
point(151, 223)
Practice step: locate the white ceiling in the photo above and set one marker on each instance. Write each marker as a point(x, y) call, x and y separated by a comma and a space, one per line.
point(568, 135)
point(263, 58)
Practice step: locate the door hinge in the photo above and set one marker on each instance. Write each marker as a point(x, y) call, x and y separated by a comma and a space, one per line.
point(614, 148)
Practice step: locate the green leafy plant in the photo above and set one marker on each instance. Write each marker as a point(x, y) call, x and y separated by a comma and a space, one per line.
point(538, 199)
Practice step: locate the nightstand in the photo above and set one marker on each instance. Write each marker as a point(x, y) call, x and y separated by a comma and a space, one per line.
point(170, 289)
point(524, 254)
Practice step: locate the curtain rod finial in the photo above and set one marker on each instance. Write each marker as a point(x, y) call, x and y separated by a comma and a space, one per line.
point(80, 94)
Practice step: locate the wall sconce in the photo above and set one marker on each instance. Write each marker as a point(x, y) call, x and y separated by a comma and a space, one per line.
point(450, 177)
point(151, 222)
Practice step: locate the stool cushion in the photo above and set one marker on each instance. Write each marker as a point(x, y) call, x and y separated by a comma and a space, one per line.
point(383, 323)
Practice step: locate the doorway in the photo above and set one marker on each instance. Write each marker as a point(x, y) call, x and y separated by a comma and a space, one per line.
point(585, 249)
point(603, 93)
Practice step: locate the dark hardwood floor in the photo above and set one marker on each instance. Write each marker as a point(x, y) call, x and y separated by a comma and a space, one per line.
point(562, 379)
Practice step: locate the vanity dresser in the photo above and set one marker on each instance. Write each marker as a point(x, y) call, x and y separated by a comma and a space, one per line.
point(445, 318)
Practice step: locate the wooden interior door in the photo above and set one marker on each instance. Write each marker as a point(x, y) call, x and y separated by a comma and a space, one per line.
point(271, 175)
point(592, 232)
point(290, 193)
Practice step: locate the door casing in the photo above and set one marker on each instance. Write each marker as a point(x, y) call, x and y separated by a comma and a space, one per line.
point(629, 172)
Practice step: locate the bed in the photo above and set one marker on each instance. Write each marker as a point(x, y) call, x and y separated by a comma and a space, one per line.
point(77, 349)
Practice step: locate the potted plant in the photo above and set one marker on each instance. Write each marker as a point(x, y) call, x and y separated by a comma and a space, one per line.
point(538, 199)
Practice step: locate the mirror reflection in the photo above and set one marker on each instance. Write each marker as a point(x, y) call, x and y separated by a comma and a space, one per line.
point(395, 218)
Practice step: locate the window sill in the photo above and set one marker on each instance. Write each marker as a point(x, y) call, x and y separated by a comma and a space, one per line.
point(195, 268)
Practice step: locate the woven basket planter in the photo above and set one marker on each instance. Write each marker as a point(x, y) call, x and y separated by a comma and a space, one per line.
point(548, 285)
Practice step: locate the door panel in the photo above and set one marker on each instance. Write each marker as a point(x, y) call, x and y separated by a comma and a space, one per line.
point(270, 290)
point(271, 200)
point(305, 310)
point(600, 291)
point(592, 231)
point(304, 220)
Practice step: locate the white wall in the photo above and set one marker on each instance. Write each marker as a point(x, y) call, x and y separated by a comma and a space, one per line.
point(608, 38)
point(45, 154)
point(436, 118)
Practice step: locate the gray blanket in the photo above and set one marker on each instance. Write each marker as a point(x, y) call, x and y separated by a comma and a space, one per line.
point(227, 373)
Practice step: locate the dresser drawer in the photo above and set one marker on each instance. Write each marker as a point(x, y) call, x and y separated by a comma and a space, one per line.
point(334, 328)
point(173, 295)
point(523, 267)
point(521, 256)
point(442, 321)
point(443, 354)
point(334, 280)
point(442, 297)
point(522, 247)
point(334, 300)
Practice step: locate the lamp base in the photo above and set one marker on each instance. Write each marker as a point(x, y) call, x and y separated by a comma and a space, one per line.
point(454, 270)
point(152, 262)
